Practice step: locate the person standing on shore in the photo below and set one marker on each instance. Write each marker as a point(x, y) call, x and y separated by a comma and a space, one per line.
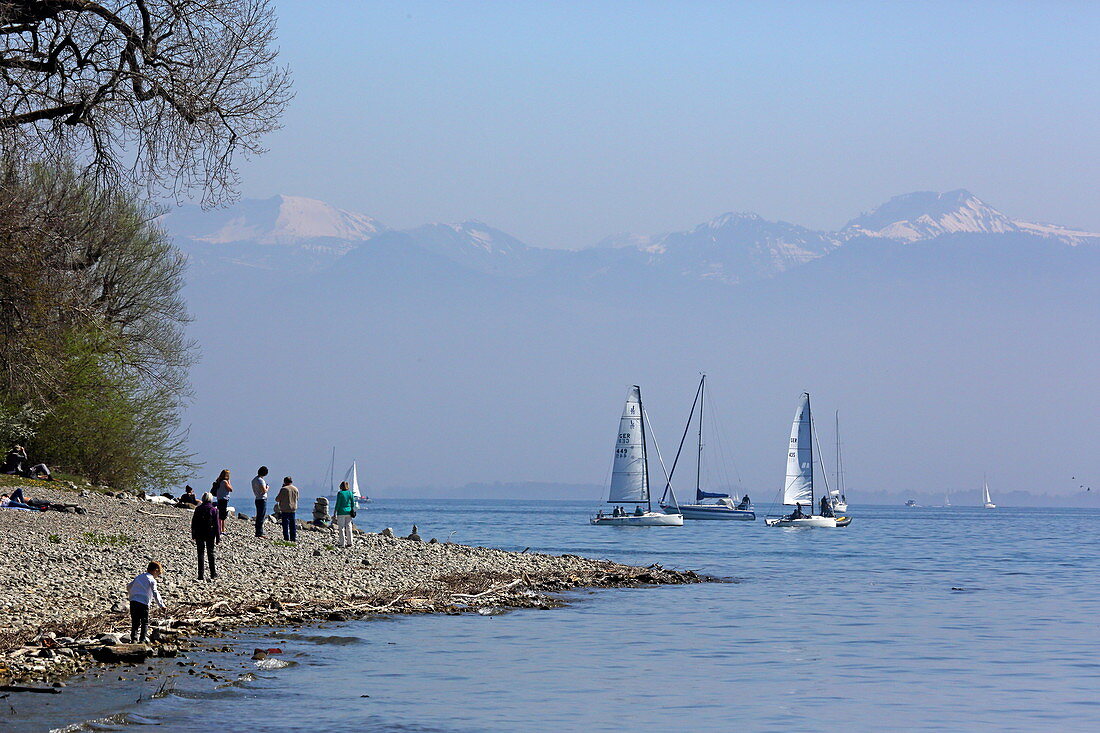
point(222, 490)
point(142, 591)
point(344, 513)
point(206, 531)
point(286, 503)
point(259, 489)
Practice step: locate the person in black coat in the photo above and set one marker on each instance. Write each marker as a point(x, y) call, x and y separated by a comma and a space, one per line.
point(206, 531)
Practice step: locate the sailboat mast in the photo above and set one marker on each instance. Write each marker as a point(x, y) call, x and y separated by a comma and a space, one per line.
point(332, 472)
point(838, 452)
point(811, 415)
point(699, 455)
point(645, 455)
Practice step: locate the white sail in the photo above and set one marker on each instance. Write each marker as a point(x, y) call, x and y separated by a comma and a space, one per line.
point(355, 481)
point(800, 474)
point(629, 478)
point(985, 493)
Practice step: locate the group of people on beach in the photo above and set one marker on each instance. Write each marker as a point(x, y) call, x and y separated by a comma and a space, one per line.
point(208, 520)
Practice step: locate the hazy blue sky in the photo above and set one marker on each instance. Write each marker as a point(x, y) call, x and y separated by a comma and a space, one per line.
point(565, 122)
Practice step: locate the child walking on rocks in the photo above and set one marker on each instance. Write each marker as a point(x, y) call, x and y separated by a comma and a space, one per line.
point(142, 592)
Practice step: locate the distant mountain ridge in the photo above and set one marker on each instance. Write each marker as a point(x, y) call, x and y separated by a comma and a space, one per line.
point(292, 232)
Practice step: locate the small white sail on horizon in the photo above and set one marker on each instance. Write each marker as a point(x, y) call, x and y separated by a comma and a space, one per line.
point(987, 500)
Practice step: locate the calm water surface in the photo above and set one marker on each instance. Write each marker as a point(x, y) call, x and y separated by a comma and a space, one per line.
point(931, 619)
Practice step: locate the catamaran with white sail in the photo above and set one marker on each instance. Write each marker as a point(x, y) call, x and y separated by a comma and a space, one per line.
point(630, 474)
point(724, 506)
point(986, 498)
point(798, 491)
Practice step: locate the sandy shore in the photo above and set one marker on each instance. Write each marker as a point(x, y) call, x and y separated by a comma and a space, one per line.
point(65, 576)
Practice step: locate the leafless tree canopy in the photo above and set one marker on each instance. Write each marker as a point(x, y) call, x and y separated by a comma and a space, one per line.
point(163, 93)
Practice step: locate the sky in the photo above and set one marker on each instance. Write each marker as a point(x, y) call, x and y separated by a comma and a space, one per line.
point(566, 122)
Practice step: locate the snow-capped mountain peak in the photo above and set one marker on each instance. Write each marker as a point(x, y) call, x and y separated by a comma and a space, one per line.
point(279, 220)
point(922, 215)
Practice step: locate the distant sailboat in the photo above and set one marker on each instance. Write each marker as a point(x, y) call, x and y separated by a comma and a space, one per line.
point(798, 491)
point(946, 501)
point(837, 499)
point(359, 498)
point(724, 507)
point(630, 474)
point(988, 501)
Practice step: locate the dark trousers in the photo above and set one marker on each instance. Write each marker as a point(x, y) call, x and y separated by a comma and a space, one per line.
point(207, 546)
point(223, 508)
point(139, 621)
point(261, 515)
point(290, 526)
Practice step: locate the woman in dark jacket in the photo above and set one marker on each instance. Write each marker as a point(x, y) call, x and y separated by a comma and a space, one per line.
point(206, 531)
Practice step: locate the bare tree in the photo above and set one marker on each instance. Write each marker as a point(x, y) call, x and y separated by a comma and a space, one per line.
point(161, 93)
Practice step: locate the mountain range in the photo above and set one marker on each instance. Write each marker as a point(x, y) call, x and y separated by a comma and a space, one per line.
point(289, 233)
point(954, 340)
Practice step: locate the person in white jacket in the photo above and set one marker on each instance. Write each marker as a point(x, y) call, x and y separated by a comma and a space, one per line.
point(142, 592)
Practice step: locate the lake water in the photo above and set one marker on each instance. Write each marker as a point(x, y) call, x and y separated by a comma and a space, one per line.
point(931, 619)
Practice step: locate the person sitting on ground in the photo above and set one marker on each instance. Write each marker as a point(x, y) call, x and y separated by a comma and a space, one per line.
point(15, 465)
point(142, 592)
point(188, 498)
point(206, 531)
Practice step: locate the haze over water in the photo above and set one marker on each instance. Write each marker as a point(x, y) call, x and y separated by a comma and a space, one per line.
point(930, 618)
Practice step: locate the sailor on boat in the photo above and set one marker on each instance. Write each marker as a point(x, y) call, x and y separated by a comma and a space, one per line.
point(797, 513)
point(745, 503)
point(826, 507)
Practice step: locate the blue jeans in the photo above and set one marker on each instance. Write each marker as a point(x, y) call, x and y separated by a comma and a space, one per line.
point(290, 526)
point(261, 515)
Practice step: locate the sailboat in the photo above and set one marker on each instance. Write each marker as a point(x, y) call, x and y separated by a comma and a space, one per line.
point(630, 474)
point(355, 492)
point(985, 495)
point(799, 488)
point(724, 507)
point(836, 495)
point(946, 501)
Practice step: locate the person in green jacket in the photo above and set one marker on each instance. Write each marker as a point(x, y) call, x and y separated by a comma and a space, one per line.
point(345, 512)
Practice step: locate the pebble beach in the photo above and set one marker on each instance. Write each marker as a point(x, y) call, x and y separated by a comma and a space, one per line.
point(63, 592)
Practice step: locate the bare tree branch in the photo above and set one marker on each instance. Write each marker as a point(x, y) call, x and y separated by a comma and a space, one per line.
point(166, 94)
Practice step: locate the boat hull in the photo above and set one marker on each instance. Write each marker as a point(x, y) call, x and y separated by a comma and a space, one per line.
point(990, 505)
point(814, 521)
point(716, 511)
point(649, 519)
point(840, 507)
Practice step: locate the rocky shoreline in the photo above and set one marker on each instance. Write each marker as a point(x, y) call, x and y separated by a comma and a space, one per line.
point(62, 594)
